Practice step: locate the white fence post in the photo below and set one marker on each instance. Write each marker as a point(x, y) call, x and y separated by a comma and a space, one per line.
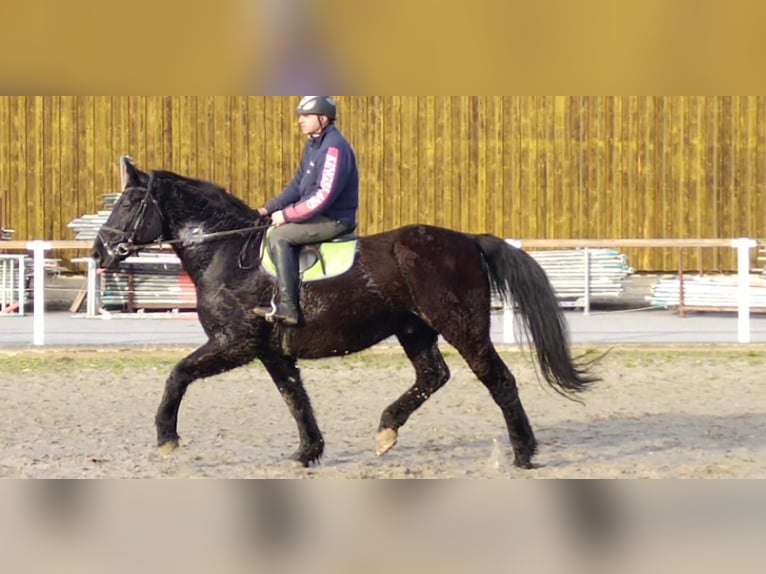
point(586, 294)
point(22, 285)
point(93, 302)
point(39, 248)
point(92, 287)
point(743, 247)
point(4, 281)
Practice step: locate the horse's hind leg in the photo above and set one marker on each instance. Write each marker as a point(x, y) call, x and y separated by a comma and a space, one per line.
point(421, 345)
point(287, 377)
point(211, 359)
point(493, 372)
point(457, 305)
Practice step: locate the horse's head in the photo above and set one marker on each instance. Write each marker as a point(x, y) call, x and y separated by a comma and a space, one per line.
point(135, 221)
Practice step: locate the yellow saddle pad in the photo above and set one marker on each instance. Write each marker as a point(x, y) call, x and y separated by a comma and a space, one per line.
point(320, 261)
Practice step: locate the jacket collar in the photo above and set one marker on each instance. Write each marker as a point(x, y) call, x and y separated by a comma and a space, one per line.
point(317, 141)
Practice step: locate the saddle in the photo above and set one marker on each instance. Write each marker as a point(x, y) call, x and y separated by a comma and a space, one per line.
point(319, 261)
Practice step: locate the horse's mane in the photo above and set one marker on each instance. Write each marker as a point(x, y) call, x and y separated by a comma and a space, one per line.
point(218, 197)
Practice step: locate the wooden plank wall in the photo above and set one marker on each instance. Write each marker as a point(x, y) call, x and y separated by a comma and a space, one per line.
point(535, 167)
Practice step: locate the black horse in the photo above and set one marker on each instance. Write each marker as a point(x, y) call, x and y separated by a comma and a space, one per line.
point(414, 283)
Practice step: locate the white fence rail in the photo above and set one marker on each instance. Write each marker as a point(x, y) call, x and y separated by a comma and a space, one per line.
point(744, 248)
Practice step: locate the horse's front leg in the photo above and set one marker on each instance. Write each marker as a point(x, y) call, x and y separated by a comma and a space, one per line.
point(213, 358)
point(287, 377)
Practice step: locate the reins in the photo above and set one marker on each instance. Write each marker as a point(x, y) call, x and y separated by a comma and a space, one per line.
point(202, 238)
point(126, 247)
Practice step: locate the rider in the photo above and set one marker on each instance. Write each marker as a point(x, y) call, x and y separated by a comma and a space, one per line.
point(321, 203)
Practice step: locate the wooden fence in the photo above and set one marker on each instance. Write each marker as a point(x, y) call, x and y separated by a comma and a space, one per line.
point(535, 167)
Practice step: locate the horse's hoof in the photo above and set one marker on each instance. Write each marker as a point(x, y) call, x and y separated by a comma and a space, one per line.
point(386, 440)
point(308, 457)
point(299, 459)
point(168, 448)
point(303, 461)
point(525, 464)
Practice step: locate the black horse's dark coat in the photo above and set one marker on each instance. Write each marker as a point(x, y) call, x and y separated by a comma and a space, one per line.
point(414, 283)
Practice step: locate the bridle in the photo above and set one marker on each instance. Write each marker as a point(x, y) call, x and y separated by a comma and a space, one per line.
point(127, 238)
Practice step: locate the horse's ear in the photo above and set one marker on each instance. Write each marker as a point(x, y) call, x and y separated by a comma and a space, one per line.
point(130, 175)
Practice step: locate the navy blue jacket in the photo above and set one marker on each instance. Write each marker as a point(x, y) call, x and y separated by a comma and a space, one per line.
point(327, 183)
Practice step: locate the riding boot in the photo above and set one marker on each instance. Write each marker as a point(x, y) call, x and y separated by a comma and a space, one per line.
point(285, 308)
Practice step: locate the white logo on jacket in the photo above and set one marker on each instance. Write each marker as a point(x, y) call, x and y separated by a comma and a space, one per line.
point(328, 178)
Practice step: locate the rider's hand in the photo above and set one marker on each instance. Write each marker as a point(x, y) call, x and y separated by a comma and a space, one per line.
point(263, 212)
point(278, 218)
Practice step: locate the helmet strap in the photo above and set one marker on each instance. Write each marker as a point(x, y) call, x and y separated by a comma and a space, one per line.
point(322, 126)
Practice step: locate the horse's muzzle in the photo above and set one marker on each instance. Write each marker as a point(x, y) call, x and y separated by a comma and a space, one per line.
point(106, 257)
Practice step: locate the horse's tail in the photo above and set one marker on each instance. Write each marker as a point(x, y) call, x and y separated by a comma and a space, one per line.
point(517, 277)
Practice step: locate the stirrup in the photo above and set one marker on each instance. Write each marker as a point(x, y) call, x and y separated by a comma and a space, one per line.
point(291, 320)
point(266, 312)
point(272, 315)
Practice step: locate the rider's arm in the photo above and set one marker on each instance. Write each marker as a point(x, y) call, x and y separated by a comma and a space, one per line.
point(334, 176)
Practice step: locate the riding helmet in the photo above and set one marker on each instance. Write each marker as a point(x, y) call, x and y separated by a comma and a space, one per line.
point(318, 106)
